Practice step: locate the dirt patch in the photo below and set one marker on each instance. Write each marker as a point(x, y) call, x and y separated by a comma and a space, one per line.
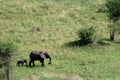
point(62, 76)
point(31, 77)
point(25, 78)
point(54, 75)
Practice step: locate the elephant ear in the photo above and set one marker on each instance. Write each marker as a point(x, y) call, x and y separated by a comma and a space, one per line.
point(42, 56)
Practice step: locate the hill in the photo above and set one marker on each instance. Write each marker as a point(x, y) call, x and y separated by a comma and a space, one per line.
point(49, 25)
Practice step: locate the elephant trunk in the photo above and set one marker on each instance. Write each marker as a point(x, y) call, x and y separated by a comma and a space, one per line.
point(47, 56)
point(50, 60)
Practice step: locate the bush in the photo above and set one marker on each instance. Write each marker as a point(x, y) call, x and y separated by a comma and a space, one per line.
point(6, 49)
point(86, 35)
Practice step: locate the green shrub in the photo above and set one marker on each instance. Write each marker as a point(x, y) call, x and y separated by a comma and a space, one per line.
point(86, 35)
point(6, 49)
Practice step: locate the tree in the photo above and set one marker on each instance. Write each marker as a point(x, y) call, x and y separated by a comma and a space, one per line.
point(113, 7)
point(6, 51)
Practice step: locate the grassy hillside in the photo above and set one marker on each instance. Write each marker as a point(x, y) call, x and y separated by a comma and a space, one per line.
point(51, 25)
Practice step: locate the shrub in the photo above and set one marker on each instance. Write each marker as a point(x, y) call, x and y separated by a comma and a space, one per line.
point(86, 35)
point(6, 50)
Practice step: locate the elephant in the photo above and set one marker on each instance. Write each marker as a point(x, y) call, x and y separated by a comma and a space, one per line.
point(38, 56)
point(21, 61)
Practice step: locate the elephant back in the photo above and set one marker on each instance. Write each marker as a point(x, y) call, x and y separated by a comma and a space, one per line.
point(35, 54)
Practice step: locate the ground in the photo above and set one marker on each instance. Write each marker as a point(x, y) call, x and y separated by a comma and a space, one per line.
point(52, 25)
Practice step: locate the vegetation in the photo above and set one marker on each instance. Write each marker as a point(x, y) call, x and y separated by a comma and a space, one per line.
point(49, 25)
point(6, 50)
point(114, 15)
point(87, 35)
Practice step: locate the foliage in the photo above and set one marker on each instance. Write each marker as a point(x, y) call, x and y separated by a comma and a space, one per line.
point(87, 35)
point(113, 9)
point(114, 15)
point(115, 26)
point(6, 49)
point(57, 27)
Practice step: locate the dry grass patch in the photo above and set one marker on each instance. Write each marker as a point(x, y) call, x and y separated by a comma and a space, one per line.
point(31, 77)
point(62, 76)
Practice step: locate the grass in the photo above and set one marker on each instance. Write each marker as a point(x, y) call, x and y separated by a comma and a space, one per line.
point(58, 21)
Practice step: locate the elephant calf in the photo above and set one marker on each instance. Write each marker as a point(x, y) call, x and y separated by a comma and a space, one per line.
point(21, 62)
point(38, 56)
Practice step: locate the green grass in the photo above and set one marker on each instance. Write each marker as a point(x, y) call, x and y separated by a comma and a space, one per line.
point(58, 21)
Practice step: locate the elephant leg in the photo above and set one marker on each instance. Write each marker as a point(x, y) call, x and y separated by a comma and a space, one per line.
point(33, 64)
point(18, 63)
point(30, 63)
point(22, 64)
point(42, 61)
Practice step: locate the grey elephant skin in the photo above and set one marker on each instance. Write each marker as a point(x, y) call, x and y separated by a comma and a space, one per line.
point(21, 62)
point(38, 56)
